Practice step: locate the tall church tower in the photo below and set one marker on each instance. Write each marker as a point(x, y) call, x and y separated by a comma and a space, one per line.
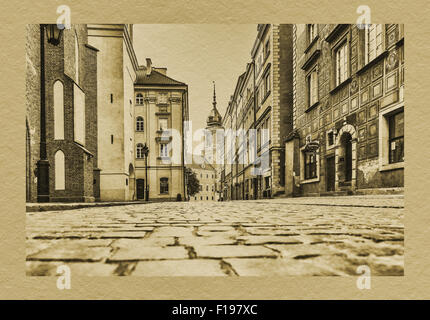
point(213, 124)
point(214, 144)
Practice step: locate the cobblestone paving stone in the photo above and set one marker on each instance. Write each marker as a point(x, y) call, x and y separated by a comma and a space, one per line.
point(282, 237)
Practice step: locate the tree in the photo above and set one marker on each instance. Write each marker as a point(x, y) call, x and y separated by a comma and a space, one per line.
point(193, 184)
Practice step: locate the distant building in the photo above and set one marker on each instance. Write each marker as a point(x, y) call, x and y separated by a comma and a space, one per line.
point(261, 108)
point(348, 110)
point(214, 144)
point(160, 109)
point(206, 174)
point(69, 69)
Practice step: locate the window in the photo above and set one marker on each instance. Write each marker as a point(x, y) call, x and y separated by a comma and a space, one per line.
point(258, 138)
point(200, 188)
point(162, 123)
point(164, 185)
point(265, 133)
point(78, 115)
point(139, 99)
point(312, 32)
point(60, 171)
point(312, 84)
point(139, 151)
point(139, 124)
point(76, 59)
point(163, 150)
point(396, 138)
point(58, 110)
point(111, 139)
point(330, 138)
point(267, 84)
point(207, 188)
point(310, 165)
point(267, 49)
point(341, 63)
point(372, 41)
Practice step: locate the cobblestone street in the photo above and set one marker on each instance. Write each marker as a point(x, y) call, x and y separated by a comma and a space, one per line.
point(296, 236)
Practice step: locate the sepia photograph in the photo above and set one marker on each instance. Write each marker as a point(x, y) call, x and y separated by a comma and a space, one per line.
point(214, 150)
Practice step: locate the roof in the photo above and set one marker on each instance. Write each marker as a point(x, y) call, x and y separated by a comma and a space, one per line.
point(155, 78)
point(200, 163)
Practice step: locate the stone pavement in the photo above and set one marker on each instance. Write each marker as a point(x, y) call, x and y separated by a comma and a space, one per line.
point(283, 237)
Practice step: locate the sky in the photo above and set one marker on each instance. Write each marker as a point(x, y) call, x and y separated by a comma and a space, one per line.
point(197, 55)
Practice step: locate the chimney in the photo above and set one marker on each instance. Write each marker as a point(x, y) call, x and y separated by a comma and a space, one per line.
point(148, 66)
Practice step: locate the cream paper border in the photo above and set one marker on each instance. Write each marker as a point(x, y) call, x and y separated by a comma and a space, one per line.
point(15, 14)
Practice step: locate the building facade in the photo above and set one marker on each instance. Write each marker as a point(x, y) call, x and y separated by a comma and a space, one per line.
point(117, 66)
point(260, 111)
point(206, 174)
point(348, 110)
point(160, 110)
point(61, 115)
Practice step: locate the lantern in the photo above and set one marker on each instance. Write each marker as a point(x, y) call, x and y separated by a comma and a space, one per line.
point(53, 33)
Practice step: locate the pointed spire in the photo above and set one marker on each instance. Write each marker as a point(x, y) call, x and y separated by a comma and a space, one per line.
point(214, 102)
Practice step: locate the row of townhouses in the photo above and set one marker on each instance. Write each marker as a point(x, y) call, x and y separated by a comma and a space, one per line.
point(319, 110)
point(98, 124)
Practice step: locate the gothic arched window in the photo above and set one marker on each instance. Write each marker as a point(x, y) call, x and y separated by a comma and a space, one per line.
point(60, 171)
point(58, 110)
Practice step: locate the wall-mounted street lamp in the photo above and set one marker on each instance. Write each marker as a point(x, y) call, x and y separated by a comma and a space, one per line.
point(53, 35)
point(145, 153)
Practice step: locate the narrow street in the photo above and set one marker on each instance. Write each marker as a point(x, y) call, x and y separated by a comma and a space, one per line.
point(283, 237)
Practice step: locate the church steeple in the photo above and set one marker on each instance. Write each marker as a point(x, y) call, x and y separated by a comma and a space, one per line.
point(214, 118)
point(214, 102)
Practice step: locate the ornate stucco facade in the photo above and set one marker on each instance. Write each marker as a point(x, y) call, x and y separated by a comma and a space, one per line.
point(160, 109)
point(348, 110)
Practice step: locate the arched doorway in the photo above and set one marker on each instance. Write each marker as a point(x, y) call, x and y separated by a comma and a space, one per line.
point(132, 179)
point(346, 158)
point(346, 142)
point(27, 163)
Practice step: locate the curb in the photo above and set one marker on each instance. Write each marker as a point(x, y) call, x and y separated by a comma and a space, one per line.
point(62, 207)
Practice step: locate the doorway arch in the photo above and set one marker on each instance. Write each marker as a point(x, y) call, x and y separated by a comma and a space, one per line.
point(132, 180)
point(346, 158)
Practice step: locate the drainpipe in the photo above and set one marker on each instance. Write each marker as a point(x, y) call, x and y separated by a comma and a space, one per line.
point(254, 124)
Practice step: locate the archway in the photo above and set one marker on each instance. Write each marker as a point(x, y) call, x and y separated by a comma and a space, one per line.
point(346, 158)
point(132, 182)
point(27, 163)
